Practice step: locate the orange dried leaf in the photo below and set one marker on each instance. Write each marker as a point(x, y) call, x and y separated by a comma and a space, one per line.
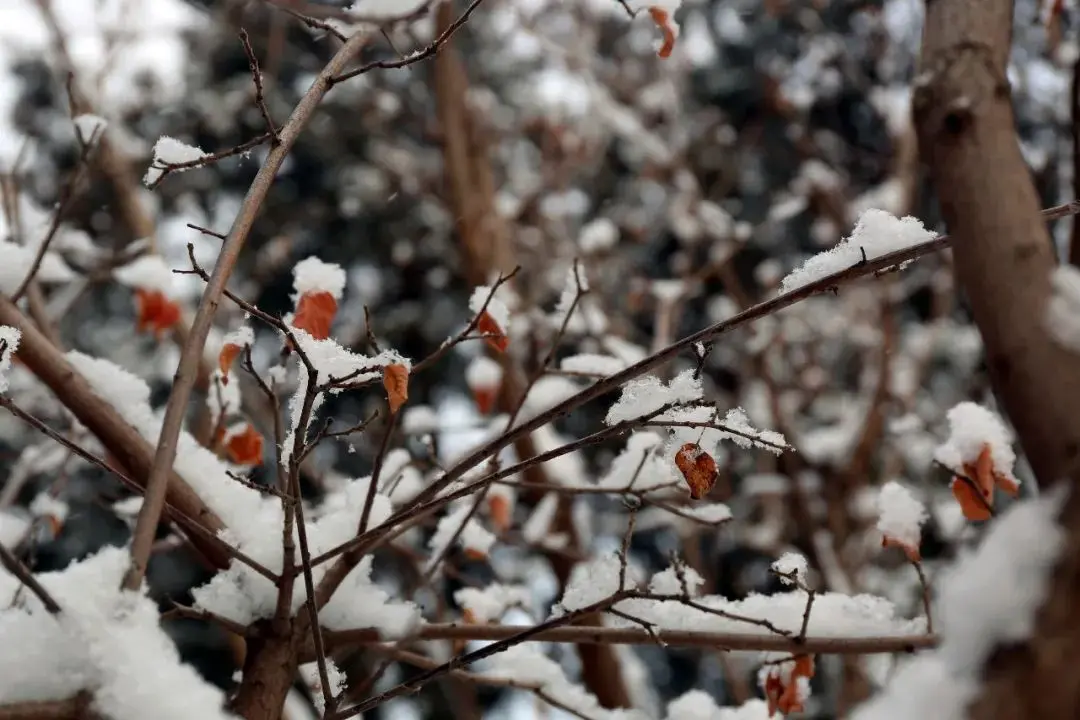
point(804, 666)
point(1007, 484)
point(396, 381)
point(315, 314)
point(912, 552)
point(245, 447)
point(55, 524)
point(983, 473)
point(468, 617)
point(156, 312)
point(501, 512)
point(495, 336)
point(228, 354)
point(474, 554)
point(662, 18)
point(972, 506)
point(485, 399)
point(774, 689)
point(698, 468)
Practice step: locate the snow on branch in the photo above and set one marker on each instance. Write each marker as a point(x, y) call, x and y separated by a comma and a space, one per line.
point(876, 233)
point(105, 641)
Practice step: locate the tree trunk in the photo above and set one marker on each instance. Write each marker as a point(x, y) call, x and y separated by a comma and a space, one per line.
point(269, 670)
point(1003, 252)
point(1003, 259)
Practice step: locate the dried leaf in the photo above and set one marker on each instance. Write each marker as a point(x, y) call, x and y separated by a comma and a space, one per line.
point(484, 398)
point(228, 355)
point(475, 554)
point(662, 18)
point(911, 551)
point(495, 335)
point(501, 512)
point(156, 312)
point(774, 689)
point(698, 467)
point(984, 473)
point(315, 314)
point(396, 382)
point(245, 447)
point(972, 506)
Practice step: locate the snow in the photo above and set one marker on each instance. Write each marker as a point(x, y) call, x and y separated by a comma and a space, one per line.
point(331, 361)
point(598, 235)
point(148, 272)
point(745, 435)
point(45, 505)
point(473, 537)
point(149, 36)
point(792, 568)
point(669, 582)
point(386, 9)
point(255, 522)
point(223, 395)
point(483, 373)
point(419, 419)
point(19, 259)
point(921, 687)
point(876, 233)
point(667, 291)
point(994, 593)
point(711, 514)
point(309, 672)
point(643, 396)
point(360, 603)
point(833, 615)
point(538, 526)
point(971, 426)
point(168, 152)
point(102, 639)
point(489, 604)
point(14, 524)
point(9, 341)
point(592, 364)
point(90, 127)
point(574, 288)
point(547, 392)
point(901, 515)
point(527, 664)
point(1063, 309)
point(590, 582)
point(990, 596)
point(241, 337)
point(496, 306)
point(312, 275)
point(639, 466)
point(699, 705)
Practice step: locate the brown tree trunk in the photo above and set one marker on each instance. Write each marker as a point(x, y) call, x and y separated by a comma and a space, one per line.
point(1002, 250)
point(1003, 259)
point(485, 245)
point(268, 675)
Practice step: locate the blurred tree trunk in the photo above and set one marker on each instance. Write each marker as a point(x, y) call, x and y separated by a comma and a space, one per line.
point(1003, 259)
point(485, 249)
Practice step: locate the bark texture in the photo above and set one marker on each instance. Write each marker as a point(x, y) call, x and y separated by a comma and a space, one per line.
point(1002, 249)
point(1004, 257)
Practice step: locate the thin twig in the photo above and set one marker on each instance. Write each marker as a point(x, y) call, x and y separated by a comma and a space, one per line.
point(415, 57)
point(14, 566)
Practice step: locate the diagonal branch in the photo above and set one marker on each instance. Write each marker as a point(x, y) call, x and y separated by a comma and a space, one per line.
point(191, 354)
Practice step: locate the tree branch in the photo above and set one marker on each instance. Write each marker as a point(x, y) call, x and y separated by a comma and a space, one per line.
point(191, 354)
